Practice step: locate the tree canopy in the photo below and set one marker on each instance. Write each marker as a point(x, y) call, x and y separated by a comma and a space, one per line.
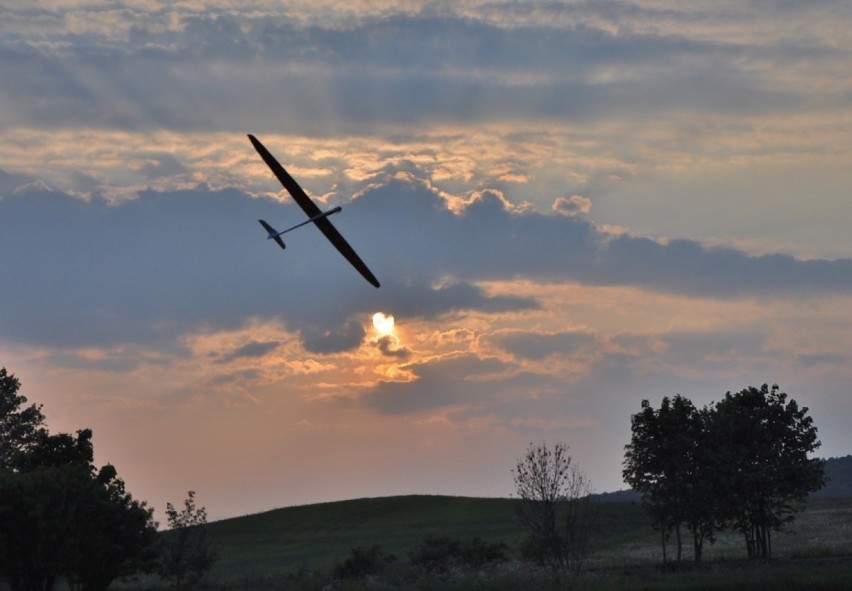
point(19, 424)
point(762, 442)
point(61, 515)
point(741, 462)
point(668, 462)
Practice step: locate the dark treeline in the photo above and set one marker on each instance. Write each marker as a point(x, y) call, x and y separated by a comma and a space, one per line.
point(741, 463)
point(65, 518)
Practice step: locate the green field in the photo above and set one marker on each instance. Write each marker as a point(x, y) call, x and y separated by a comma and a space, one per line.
point(268, 549)
point(317, 536)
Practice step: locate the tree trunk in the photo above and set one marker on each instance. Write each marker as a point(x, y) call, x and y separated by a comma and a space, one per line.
point(764, 541)
point(769, 544)
point(679, 542)
point(750, 533)
point(697, 546)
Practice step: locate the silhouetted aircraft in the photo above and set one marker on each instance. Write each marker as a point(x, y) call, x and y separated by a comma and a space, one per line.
point(314, 213)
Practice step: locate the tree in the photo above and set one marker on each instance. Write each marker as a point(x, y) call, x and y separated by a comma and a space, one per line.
point(61, 516)
point(55, 451)
point(18, 424)
point(36, 510)
point(40, 493)
point(552, 490)
point(763, 442)
point(742, 462)
point(668, 461)
point(187, 553)
point(116, 534)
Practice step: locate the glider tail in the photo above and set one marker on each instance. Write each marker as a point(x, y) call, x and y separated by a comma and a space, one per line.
point(272, 233)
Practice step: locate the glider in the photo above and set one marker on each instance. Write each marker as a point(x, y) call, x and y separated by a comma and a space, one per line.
point(314, 213)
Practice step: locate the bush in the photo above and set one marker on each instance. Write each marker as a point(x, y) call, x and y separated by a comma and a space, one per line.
point(363, 562)
point(538, 550)
point(477, 553)
point(443, 554)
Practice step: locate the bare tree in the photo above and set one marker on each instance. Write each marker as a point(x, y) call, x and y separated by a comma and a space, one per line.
point(555, 506)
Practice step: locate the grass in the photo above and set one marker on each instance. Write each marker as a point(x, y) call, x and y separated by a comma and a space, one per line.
point(296, 547)
point(317, 536)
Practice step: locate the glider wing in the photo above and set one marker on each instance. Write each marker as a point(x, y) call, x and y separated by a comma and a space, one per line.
point(312, 211)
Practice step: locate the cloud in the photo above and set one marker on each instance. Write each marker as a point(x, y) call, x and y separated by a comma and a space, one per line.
point(486, 242)
point(572, 206)
point(333, 340)
point(686, 266)
point(161, 165)
point(226, 69)
point(9, 183)
point(459, 380)
point(390, 346)
point(91, 272)
point(537, 346)
point(422, 299)
point(250, 350)
point(820, 359)
point(706, 349)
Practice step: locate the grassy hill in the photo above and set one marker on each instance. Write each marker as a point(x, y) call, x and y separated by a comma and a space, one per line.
point(277, 542)
point(282, 541)
point(260, 550)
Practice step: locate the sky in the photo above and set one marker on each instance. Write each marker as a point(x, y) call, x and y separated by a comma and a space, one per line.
point(571, 206)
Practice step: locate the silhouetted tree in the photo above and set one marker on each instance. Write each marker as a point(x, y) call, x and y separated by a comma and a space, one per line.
point(187, 553)
point(61, 516)
point(38, 520)
point(18, 423)
point(116, 534)
point(669, 462)
point(742, 462)
point(555, 506)
point(763, 441)
point(40, 495)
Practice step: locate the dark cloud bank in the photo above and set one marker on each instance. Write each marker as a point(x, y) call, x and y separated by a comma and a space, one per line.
point(89, 273)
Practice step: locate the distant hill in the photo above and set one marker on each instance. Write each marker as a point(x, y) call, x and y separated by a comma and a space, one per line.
point(627, 495)
point(839, 475)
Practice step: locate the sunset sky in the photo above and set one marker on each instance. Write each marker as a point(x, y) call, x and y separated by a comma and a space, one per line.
point(571, 207)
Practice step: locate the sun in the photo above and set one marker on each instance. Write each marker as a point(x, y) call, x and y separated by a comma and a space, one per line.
point(383, 323)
